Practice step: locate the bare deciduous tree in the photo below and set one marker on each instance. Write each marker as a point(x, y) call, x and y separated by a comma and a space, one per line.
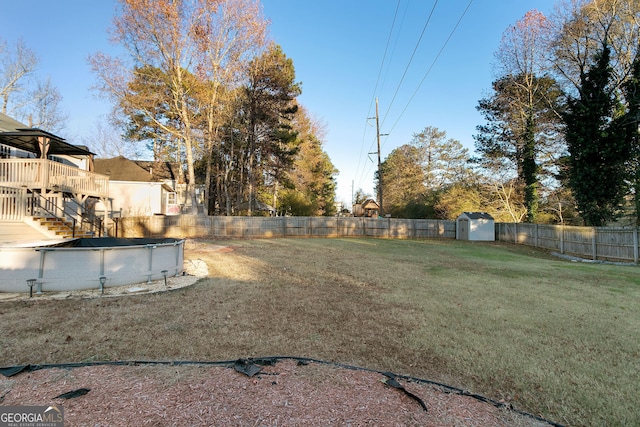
point(583, 27)
point(524, 106)
point(17, 66)
point(228, 34)
point(157, 36)
point(45, 100)
point(175, 49)
point(107, 142)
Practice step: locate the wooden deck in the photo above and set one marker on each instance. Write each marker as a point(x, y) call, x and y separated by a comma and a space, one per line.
point(52, 176)
point(18, 233)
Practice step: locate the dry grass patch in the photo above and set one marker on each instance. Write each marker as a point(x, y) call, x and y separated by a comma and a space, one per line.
point(552, 337)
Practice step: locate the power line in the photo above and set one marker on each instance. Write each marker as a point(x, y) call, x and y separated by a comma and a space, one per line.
point(384, 56)
point(370, 166)
point(403, 75)
point(432, 64)
point(395, 44)
point(415, 49)
point(411, 59)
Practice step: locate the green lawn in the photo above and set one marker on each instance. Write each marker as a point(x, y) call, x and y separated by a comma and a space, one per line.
point(556, 338)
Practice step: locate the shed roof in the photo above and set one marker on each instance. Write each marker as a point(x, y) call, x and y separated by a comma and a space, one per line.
point(477, 215)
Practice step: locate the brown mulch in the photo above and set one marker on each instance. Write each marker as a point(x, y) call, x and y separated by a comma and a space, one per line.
point(285, 394)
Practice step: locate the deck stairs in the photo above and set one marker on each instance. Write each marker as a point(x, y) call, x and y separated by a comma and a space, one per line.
point(59, 228)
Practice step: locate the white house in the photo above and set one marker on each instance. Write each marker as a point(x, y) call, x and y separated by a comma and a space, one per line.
point(140, 188)
point(478, 226)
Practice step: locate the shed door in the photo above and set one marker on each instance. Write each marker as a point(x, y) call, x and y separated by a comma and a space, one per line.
point(463, 229)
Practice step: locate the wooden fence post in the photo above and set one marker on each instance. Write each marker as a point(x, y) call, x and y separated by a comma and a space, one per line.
point(594, 243)
point(635, 245)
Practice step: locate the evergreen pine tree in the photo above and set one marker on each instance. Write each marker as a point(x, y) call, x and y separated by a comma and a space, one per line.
point(597, 145)
point(631, 90)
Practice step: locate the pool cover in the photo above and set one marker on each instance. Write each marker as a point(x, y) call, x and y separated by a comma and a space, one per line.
point(106, 242)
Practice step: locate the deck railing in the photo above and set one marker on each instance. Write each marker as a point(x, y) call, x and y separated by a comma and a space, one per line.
point(54, 176)
point(12, 202)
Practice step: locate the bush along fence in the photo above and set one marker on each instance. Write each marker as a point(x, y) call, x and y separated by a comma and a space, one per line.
point(260, 227)
point(594, 243)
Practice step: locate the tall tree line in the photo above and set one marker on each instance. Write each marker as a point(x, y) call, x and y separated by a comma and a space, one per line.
point(596, 54)
point(560, 134)
point(203, 86)
point(563, 112)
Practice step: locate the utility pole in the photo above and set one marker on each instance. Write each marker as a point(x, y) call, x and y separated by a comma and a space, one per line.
point(379, 163)
point(381, 213)
point(352, 200)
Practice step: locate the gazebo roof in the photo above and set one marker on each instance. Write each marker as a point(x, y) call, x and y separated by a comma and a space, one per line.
point(34, 140)
point(29, 140)
point(257, 205)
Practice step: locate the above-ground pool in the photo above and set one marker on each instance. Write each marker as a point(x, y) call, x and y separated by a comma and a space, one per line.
point(81, 264)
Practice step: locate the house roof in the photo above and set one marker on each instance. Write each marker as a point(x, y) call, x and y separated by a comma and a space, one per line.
point(477, 215)
point(160, 170)
point(370, 204)
point(7, 124)
point(122, 169)
point(15, 134)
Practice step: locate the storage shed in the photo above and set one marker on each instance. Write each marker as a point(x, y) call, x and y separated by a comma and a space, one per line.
point(477, 226)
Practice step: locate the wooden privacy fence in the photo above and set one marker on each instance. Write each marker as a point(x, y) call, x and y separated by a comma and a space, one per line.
point(596, 243)
point(258, 227)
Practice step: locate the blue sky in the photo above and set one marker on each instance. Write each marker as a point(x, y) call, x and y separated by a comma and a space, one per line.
point(337, 47)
